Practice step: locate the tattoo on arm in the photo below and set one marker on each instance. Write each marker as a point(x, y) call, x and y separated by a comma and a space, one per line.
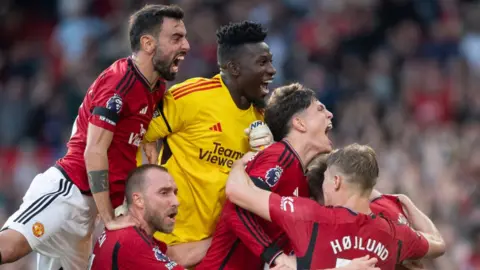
point(98, 181)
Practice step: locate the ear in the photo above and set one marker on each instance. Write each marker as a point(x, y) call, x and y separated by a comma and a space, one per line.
point(137, 199)
point(337, 182)
point(147, 43)
point(299, 124)
point(233, 68)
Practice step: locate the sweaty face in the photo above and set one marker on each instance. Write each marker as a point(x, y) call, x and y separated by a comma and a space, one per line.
point(256, 72)
point(171, 48)
point(161, 204)
point(318, 121)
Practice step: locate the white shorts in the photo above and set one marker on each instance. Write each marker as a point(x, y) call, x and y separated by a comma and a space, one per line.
point(57, 220)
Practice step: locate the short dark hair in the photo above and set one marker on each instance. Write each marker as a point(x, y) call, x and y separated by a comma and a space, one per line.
point(148, 20)
point(358, 162)
point(136, 179)
point(232, 36)
point(285, 102)
point(315, 176)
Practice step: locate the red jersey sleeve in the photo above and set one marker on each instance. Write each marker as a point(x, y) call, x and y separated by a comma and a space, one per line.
point(246, 227)
point(411, 244)
point(295, 216)
point(267, 168)
point(106, 99)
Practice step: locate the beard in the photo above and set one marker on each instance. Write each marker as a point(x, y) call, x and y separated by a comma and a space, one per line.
point(163, 66)
point(156, 221)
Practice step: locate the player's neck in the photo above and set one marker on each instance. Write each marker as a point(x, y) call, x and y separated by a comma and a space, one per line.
point(304, 151)
point(141, 223)
point(359, 204)
point(241, 102)
point(144, 65)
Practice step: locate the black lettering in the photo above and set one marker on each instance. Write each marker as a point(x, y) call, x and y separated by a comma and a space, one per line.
point(216, 146)
point(237, 155)
point(221, 150)
point(214, 159)
point(202, 154)
point(221, 161)
point(228, 153)
point(229, 163)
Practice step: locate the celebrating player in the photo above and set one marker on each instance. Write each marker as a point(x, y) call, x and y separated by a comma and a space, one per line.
point(58, 211)
point(152, 204)
point(202, 122)
point(331, 236)
point(389, 206)
point(300, 125)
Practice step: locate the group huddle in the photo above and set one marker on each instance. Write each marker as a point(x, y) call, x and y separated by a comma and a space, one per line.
point(233, 181)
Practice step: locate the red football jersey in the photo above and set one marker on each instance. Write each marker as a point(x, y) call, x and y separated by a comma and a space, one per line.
point(328, 237)
point(120, 100)
point(130, 248)
point(390, 207)
point(243, 240)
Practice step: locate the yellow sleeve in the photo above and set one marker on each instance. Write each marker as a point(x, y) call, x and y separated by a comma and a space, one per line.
point(169, 118)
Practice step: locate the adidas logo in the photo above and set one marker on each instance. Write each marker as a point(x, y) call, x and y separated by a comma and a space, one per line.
point(144, 110)
point(216, 127)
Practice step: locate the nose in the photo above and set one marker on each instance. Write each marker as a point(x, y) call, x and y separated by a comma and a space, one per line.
point(329, 114)
point(186, 45)
point(174, 201)
point(271, 70)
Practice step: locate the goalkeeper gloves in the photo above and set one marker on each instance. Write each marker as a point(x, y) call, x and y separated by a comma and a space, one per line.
point(259, 135)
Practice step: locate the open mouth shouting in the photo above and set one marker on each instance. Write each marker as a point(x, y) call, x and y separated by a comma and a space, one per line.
point(327, 130)
point(264, 86)
point(176, 61)
point(171, 216)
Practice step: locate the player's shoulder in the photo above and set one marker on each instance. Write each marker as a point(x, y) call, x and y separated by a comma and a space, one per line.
point(390, 207)
point(118, 70)
point(192, 88)
point(280, 153)
point(132, 236)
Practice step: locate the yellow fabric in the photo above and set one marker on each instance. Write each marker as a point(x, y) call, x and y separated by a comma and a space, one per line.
point(201, 156)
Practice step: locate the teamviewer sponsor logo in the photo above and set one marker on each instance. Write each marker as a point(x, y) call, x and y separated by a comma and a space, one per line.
point(219, 155)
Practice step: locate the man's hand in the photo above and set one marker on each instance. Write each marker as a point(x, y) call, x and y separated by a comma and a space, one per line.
point(119, 223)
point(259, 136)
point(285, 262)
point(150, 149)
point(362, 263)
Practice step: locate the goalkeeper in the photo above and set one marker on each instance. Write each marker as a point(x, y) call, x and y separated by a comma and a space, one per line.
point(202, 123)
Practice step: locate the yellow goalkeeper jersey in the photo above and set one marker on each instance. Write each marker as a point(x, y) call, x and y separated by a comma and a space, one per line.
point(203, 134)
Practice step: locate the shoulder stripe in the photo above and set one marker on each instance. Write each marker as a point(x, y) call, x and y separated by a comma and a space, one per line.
point(198, 83)
point(287, 160)
point(187, 88)
point(249, 226)
point(290, 163)
point(129, 87)
point(206, 88)
point(282, 155)
point(254, 221)
point(127, 76)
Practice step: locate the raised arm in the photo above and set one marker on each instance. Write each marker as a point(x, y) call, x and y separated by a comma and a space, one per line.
point(96, 161)
point(423, 224)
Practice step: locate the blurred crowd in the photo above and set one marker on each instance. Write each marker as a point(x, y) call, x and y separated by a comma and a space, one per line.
point(400, 75)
